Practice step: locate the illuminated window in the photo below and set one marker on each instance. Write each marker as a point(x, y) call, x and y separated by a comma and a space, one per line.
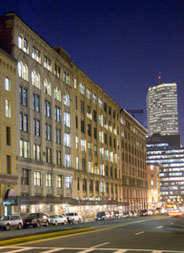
point(35, 78)
point(100, 103)
point(58, 135)
point(102, 186)
point(83, 145)
point(48, 155)
point(67, 160)
point(94, 99)
point(58, 157)
point(23, 71)
point(67, 140)
point(59, 181)
point(23, 96)
point(67, 100)
point(36, 102)
point(88, 94)
point(36, 54)
point(7, 108)
point(36, 152)
point(47, 109)
point(47, 63)
point(48, 180)
point(67, 119)
point(57, 114)
point(57, 94)
point(23, 43)
point(24, 151)
point(76, 142)
point(75, 83)
point(66, 78)
point(77, 162)
point(47, 87)
point(57, 70)
point(7, 84)
point(37, 178)
point(68, 182)
point(81, 88)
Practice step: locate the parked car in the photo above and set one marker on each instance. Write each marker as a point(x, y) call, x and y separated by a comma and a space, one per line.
point(118, 214)
point(9, 221)
point(125, 214)
point(57, 219)
point(104, 215)
point(150, 212)
point(73, 217)
point(36, 220)
point(144, 212)
point(132, 214)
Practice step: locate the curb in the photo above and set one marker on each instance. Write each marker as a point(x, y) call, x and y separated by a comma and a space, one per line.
point(44, 236)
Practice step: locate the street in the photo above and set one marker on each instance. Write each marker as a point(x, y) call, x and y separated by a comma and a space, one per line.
point(143, 234)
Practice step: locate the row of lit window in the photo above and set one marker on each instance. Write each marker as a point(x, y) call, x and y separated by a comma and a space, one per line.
point(23, 44)
point(94, 98)
point(24, 152)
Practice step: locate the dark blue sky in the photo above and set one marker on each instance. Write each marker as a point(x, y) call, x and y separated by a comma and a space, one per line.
point(122, 45)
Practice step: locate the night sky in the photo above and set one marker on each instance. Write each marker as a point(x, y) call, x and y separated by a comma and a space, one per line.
point(121, 45)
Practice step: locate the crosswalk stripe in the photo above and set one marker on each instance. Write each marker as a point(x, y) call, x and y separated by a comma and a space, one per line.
point(83, 250)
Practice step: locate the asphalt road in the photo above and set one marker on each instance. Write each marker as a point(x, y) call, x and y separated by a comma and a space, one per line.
point(149, 234)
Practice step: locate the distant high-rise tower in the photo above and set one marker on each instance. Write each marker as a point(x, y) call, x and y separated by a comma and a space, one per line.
point(162, 109)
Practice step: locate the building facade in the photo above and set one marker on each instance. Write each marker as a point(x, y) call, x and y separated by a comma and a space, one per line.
point(167, 154)
point(68, 132)
point(162, 109)
point(43, 123)
point(95, 143)
point(153, 186)
point(133, 162)
point(8, 175)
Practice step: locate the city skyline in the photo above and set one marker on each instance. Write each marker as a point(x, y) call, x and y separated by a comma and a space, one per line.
point(141, 40)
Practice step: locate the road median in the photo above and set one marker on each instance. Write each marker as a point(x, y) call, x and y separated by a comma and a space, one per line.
point(44, 236)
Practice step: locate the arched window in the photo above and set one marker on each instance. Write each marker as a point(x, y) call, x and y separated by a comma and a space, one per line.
point(57, 94)
point(23, 43)
point(23, 70)
point(47, 87)
point(35, 78)
point(67, 100)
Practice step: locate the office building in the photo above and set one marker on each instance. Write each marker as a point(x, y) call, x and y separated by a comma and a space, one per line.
point(67, 138)
point(165, 152)
point(162, 109)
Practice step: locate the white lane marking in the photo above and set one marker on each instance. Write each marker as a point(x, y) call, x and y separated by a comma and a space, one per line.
point(121, 251)
point(160, 227)
point(87, 250)
point(142, 232)
point(94, 247)
point(19, 250)
point(102, 244)
point(53, 250)
point(115, 250)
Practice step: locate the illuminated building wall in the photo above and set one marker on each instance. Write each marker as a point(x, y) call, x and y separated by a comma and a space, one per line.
point(171, 165)
point(67, 138)
point(153, 186)
point(96, 141)
point(162, 109)
point(8, 176)
point(43, 119)
point(133, 162)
